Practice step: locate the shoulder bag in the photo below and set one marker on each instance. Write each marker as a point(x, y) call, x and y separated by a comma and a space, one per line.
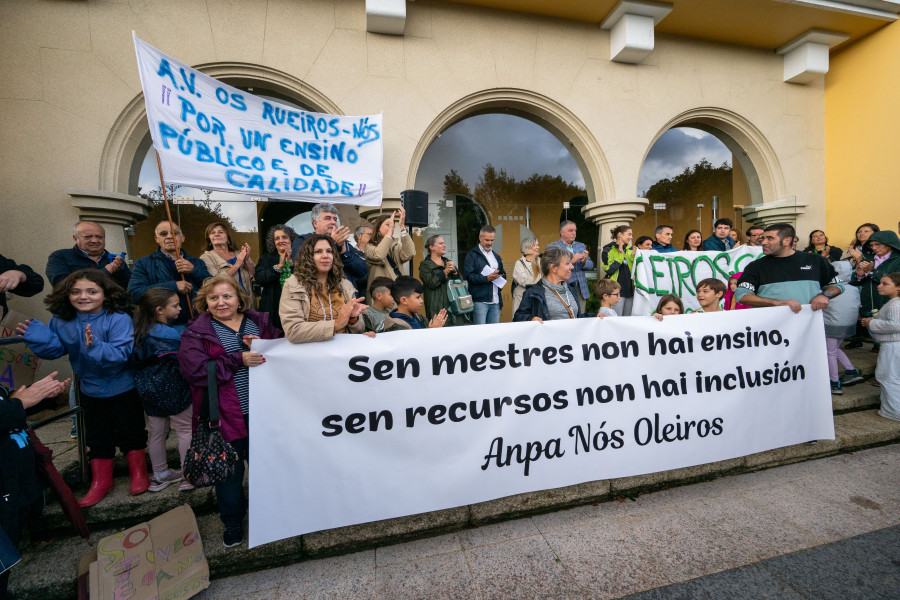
point(210, 460)
point(459, 296)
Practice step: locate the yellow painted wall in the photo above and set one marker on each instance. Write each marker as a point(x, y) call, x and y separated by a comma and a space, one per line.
point(862, 131)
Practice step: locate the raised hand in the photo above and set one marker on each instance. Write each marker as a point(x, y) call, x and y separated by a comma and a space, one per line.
point(10, 280)
point(47, 387)
point(438, 320)
point(350, 310)
point(22, 327)
point(340, 236)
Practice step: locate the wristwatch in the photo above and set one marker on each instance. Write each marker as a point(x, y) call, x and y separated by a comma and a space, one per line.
point(828, 294)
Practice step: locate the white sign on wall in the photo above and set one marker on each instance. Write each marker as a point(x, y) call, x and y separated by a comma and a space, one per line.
point(355, 429)
point(214, 136)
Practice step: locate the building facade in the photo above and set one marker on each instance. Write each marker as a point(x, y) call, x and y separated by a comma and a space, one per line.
point(606, 78)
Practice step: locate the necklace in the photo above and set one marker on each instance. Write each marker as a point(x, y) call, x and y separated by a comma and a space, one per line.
point(322, 305)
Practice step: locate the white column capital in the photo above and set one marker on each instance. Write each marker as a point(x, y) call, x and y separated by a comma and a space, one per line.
point(388, 205)
point(386, 16)
point(806, 56)
point(631, 24)
point(783, 210)
point(612, 213)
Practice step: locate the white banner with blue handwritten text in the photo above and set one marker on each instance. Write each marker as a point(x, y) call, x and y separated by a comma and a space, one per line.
point(354, 429)
point(213, 136)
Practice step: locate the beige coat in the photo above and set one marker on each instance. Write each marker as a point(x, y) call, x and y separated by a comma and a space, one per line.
point(294, 311)
point(401, 250)
point(215, 264)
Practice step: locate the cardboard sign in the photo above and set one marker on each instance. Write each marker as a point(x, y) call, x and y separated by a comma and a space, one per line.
point(162, 559)
point(18, 365)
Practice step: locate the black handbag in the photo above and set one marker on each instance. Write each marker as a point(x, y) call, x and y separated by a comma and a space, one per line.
point(210, 460)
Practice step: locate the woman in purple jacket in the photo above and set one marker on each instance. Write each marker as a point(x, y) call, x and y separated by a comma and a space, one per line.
point(223, 332)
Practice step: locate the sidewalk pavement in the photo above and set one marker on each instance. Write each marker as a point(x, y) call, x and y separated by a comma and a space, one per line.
point(728, 527)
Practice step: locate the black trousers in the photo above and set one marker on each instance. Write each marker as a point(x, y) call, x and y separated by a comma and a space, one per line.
point(230, 494)
point(114, 421)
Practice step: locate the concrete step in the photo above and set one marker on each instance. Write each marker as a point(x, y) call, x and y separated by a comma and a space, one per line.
point(861, 396)
point(48, 568)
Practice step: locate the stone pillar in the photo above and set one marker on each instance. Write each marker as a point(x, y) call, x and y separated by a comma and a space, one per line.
point(783, 210)
point(112, 210)
point(611, 213)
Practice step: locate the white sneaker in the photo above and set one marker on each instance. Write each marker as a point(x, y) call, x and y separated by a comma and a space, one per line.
point(157, 484)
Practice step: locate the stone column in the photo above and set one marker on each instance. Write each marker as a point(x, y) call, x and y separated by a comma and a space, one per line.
point(783, 210)
point(112, 210)
point(611, 213)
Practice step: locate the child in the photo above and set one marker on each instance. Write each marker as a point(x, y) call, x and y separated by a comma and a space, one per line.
point(710, 292)
point(885, 329)
point(381, 305)
point(669, 305)
point(840, 316)
point(407, 293)
point(91, 326)
point(165, 395)
point(731, 302)
point(608, 292)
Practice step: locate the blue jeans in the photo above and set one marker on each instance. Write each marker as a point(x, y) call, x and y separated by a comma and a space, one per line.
point(486, 313)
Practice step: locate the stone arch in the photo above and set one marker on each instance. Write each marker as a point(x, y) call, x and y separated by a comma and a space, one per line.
point(129, 137)
point(547, 113)
point(747, 144)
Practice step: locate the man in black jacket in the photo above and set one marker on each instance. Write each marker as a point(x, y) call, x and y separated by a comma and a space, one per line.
point(18, 279)
point(89, 252)
point(485, 294)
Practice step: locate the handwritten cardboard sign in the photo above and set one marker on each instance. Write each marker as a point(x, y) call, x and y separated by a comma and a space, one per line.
point(214, 136)
point(18, 365)
point(162, 559)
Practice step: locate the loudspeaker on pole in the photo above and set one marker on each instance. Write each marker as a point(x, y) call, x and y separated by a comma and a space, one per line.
point(416, 204)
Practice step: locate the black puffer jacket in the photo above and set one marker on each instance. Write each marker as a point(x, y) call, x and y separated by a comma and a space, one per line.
point(19, 484)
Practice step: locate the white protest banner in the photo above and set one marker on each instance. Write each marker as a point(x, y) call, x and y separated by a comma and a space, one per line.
point(657, 274)
point(214, 136)
point(355, 429)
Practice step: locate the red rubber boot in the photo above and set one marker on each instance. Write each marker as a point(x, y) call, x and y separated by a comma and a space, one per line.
point(101, 481)
point(137, 466)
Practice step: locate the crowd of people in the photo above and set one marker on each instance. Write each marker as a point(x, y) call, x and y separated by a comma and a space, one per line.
point(140, 340)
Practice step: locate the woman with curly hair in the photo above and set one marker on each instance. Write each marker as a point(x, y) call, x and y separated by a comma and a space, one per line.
point(90, 325)
point(317, 301)
point(273, 269)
